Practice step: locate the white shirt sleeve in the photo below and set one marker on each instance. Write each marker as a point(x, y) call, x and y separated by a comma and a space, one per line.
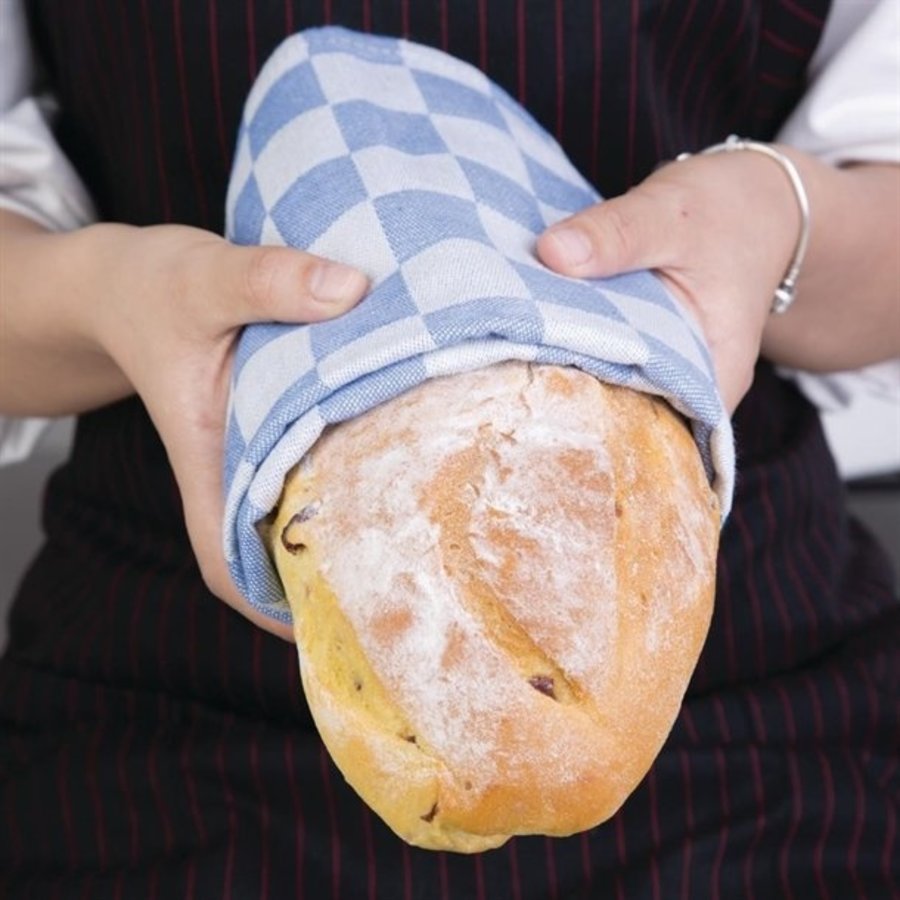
point(36, 179)
point(851, 109)
point(851, 113)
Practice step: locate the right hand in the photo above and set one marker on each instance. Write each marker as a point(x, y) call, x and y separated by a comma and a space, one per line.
point(158, 311)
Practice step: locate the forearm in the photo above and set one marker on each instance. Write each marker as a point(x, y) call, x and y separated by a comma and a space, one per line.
point(50, 364)
point(847, 311)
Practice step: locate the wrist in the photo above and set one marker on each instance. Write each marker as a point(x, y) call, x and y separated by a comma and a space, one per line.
point(53, 363)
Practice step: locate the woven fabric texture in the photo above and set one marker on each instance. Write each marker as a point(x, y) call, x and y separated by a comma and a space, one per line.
point(414, 167)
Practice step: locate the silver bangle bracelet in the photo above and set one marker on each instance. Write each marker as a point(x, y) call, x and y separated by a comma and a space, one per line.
point(787, 289)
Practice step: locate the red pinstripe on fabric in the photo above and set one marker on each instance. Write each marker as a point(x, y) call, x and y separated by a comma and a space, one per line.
point(521, 61)
point(231, 812)
point(65, 807)
point(721, 719)
point(859, 817)
point(258, 688)
point(334, 831)
point(815, 704)
point(190, 784)
point(444, 24)
point(250, 22)
point(692, 82)
point(11, 808)
point(633, 87)
point(802, 13)
point(816, 548)
point(687, 718)
point(775, 591)
point(299, 819)
point(756, 607)
point(726, 616)
point(729, 47)
point(187, 128)
point(136, 626)
point(684, 761)
point(652, 67)
point(596, 86)
point(759, 795)
point(404, 18)
point(783, 45)
point(801, 552)
point(265, 838)
point(100, 99)
point(515, 882)
point(137, 122)
point(482, 36)
point(724, 819)
point(777, 81)
point(827, 823)
point(124, 787)
point(368, 841)
point(223, 656)
point(655, 835)
point(91, 769)
point(843, 695)
point(796, 795)
point(190, 638)
point(406, 867)
point(153, 780)
point(443, 875)
point(216, 79)
point(560, 47)
point(550, 861)
point(888, 854)
point(587, 867)
point(163, 644)
point(111, 50)
point(131, 448)
point(479, 878)
point(674, 49)
point(153, 884)
point(150, 59)
point(621, 855)
point(289, 27)
point(872, 705)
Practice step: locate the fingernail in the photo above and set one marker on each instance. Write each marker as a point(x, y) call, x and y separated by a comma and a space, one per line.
point(335, 283)
point(573, 245)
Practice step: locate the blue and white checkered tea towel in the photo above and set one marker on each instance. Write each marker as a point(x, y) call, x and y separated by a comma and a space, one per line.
point(416, 168)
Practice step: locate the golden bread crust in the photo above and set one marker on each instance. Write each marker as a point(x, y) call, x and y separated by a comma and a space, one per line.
point(501, 582)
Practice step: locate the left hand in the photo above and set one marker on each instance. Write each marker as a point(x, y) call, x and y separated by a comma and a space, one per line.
point(719, 230)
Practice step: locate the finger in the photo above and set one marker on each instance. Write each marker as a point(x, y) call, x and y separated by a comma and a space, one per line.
point(282, 284)
point(634, 231)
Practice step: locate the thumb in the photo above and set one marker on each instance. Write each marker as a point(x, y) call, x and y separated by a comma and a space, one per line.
point(618, 235)
point(281, 284)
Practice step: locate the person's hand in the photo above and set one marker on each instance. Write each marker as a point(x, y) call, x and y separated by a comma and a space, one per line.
point(719, 230)
point(167, 314)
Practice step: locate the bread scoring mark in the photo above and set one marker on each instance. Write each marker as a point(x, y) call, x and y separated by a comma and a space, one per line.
point(291, 534)
point(544, 684)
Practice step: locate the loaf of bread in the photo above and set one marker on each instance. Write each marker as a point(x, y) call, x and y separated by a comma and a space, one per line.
point(500, 583)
